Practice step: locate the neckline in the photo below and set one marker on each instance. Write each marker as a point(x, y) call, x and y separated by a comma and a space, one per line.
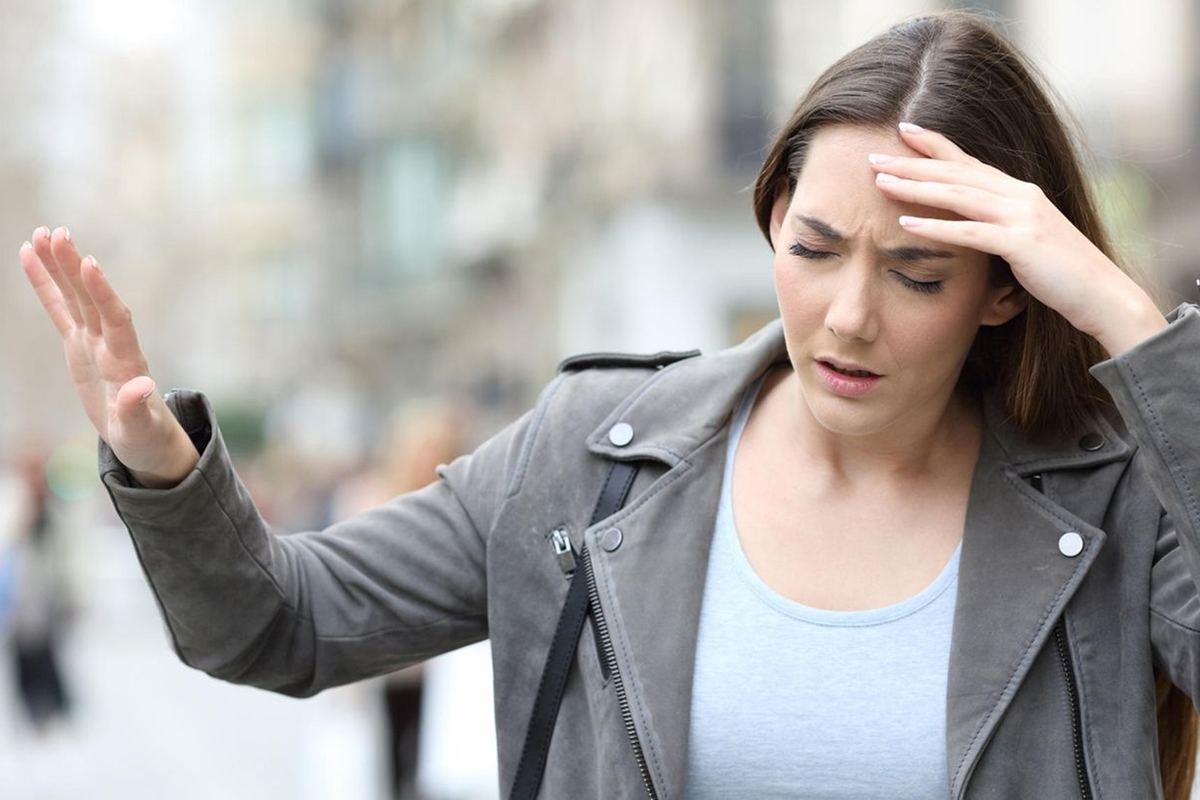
point(732, 545)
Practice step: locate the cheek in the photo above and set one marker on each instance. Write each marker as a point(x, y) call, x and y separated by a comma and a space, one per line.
point(929, 335)
point(798, 297)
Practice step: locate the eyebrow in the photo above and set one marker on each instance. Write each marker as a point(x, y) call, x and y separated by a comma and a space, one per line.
point(827, 231)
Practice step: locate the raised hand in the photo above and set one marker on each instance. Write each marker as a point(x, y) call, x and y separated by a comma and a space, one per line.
point(1015, 220)
point(105, 360)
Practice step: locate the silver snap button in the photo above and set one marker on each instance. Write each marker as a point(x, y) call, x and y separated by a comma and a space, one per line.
point(1092, 442)
point(1070, 544)
point(611, 539)
point(621, 434)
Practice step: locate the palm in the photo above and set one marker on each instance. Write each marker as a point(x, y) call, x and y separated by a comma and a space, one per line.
point(98, 376)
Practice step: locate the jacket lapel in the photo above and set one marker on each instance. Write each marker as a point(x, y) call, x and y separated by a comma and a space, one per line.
point(651, 586)
point(1013, 580)
point(651, 589)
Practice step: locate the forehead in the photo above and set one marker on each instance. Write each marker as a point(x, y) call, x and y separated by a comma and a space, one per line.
point(837, 184)
point(838, 154)
point(838, 141)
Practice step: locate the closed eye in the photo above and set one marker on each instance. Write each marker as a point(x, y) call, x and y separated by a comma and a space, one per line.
point(924, 287)
point(801, 251)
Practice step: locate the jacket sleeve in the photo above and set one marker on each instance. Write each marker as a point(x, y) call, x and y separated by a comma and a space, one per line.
point(1156, 387)
point(302, 612)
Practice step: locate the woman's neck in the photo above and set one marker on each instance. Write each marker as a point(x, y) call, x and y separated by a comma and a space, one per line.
point(919, 447)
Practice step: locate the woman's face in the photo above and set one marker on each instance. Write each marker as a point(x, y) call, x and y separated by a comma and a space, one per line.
point(859, 293)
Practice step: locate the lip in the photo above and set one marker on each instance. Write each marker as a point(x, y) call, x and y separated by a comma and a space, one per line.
point(848, 365)
point(845, 385)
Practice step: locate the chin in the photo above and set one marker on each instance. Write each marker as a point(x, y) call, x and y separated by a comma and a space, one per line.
point(846, 417)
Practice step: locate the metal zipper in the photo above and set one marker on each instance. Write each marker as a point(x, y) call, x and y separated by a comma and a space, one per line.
point(1068, 668)
point(564, 551)
point(1064, 657)
point(610, 658)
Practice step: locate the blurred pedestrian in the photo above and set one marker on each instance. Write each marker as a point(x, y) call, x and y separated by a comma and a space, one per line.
point(421, 435)
point(39, 602)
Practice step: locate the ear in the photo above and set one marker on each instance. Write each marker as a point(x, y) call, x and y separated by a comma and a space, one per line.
point(1004, 303)
point(778, 213)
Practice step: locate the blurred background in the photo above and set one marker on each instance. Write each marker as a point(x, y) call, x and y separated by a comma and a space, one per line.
point(336, 215)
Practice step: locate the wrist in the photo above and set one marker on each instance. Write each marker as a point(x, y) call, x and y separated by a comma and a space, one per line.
point(181, 459)
point(1134, 319)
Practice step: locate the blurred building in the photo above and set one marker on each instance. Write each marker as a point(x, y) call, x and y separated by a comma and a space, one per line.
point(336, 205)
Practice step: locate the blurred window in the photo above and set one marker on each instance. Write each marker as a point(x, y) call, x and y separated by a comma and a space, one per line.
point(280, 141)
point(1004, 8)
point(404, 196)
point(744, 90)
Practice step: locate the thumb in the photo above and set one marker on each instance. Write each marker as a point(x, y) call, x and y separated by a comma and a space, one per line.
point(136, 398)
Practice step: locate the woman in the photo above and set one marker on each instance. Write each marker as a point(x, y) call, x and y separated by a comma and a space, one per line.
point(980, 549)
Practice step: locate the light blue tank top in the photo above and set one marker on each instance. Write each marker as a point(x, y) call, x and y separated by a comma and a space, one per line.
point(798, 702)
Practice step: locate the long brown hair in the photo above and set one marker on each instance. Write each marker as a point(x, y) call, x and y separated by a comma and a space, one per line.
point(953, 73)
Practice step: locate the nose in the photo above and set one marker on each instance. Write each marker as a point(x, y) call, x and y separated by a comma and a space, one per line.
point(851, 314)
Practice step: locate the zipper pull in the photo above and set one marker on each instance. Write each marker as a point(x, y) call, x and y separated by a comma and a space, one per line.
point(563, 550)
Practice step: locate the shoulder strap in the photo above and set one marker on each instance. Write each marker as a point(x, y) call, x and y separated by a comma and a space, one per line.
point(562, 648)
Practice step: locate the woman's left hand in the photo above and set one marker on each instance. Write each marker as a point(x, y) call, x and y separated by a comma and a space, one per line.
point(1015, 220)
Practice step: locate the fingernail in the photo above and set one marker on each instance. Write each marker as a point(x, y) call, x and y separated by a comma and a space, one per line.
point(908, 127)
point(27, 246)
point(879, 158)
point(67, 234)
point(883, 177)
point(911, 222)
point(145, 397)
point(95, 264)
point(44, 231)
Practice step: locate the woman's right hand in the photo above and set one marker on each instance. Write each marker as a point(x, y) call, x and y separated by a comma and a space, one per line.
point(106, 362)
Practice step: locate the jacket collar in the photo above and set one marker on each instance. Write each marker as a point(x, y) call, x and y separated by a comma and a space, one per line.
point(1097, 442)
point(686, 403)
point(1013, 580)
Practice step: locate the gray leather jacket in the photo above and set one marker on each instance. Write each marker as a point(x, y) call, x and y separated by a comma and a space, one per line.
point(1050, 682)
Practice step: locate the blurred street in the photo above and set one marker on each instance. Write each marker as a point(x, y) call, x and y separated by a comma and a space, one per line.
point(146, 726)
point(333, 217)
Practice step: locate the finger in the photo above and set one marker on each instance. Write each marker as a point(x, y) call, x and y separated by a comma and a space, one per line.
point(965, 173)
point(116, 319)
point(982, 236)
point(966, 201)
point(67, 258)
point(47, 291)
point(932, 143)
point(42, 247)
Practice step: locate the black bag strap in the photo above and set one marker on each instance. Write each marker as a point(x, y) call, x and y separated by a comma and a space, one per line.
point(562, 648)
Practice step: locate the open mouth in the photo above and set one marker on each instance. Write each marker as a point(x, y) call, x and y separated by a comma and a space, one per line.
point(853, 373)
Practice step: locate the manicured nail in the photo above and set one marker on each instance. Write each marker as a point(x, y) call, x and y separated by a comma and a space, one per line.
point(908, 127)
point(42, 231)
point(879, 158)
point(911, 222)
point(67, 234)
point(95, 264)
point(883, 177)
